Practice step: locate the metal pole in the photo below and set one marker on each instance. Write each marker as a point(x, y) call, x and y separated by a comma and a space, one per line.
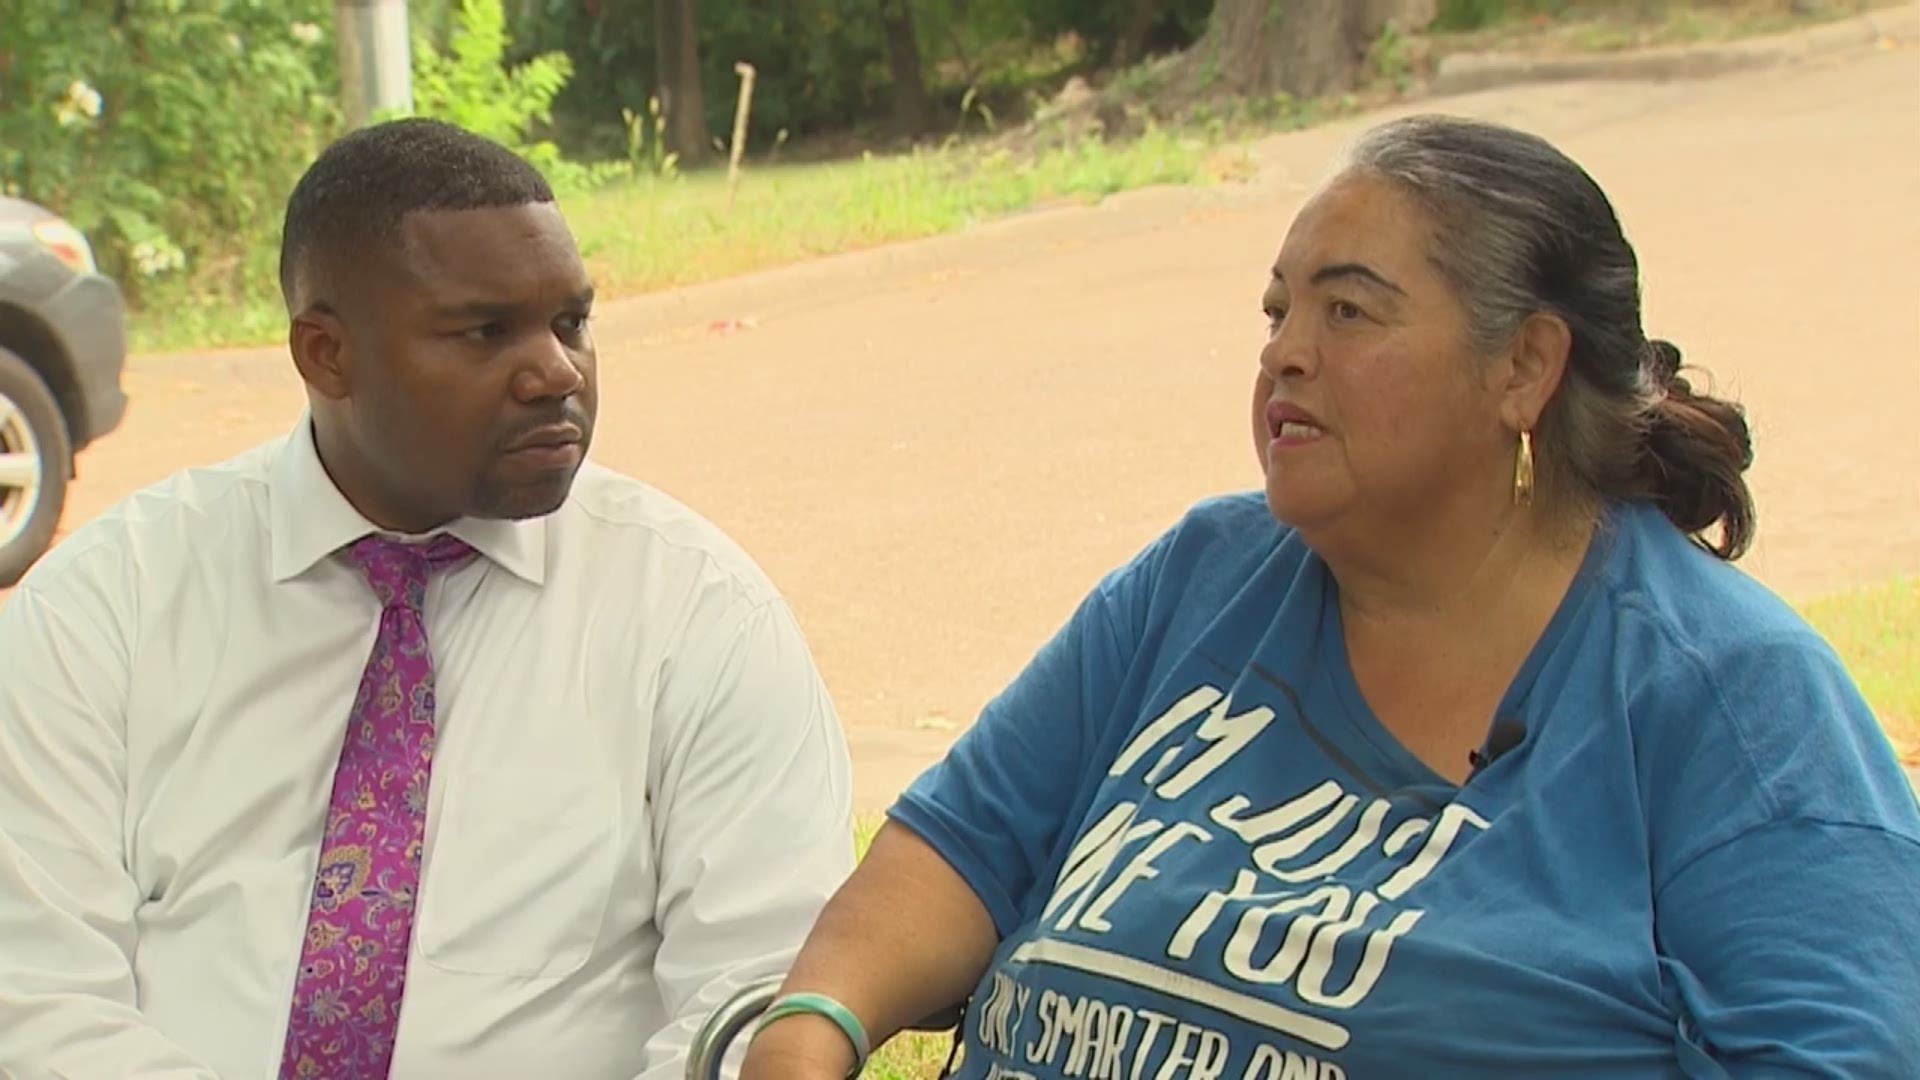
point(376, 61)
point(740, 114)
point(733, 1016)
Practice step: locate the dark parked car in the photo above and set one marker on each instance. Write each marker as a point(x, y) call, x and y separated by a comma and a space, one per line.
point(63, 342)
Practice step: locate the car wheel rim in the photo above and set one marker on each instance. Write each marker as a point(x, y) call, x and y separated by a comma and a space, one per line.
point(21, 471)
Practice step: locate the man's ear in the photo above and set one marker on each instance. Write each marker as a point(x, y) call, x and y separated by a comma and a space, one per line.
point(1541, 350)
point(318, 341)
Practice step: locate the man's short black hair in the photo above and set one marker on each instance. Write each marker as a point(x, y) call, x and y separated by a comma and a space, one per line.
point(357, 191)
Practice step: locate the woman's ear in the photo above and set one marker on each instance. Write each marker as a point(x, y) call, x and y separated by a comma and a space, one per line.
point(1541, 350)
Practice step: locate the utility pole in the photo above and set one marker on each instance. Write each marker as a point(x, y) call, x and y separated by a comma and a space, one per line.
point(376, 62)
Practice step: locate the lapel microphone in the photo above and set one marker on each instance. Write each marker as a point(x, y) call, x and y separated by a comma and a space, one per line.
point(1505, 737)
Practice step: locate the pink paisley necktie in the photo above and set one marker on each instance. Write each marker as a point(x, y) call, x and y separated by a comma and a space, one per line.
point(353, 966)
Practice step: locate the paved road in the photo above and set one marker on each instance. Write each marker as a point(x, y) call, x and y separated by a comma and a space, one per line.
point(937, 448)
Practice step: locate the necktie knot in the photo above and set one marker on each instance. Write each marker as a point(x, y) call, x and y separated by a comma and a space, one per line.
point(398, 570)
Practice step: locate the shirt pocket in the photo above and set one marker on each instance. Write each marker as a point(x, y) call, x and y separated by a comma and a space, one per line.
point(519, 873)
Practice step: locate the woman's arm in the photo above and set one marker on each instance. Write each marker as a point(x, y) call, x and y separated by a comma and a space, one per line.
point(904, 938)
point(1797, 950)
point(913, 930)
point(1787, 864)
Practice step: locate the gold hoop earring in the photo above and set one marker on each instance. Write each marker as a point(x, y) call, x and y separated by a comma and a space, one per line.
point(1523, 472)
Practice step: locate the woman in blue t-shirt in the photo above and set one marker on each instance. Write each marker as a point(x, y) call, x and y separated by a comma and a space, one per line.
point(1460, 752)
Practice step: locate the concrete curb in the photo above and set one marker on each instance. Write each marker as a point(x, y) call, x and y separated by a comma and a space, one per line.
point(1463, 73)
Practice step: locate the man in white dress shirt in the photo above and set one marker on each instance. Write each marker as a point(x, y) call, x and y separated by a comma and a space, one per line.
point(410, 745)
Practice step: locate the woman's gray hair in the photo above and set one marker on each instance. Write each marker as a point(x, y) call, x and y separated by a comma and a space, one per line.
point(1520, 229)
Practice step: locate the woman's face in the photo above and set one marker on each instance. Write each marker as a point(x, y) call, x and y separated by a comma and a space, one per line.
point(1371, 408)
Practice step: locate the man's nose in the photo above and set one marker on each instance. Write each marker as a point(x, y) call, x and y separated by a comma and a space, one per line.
point(552, 371)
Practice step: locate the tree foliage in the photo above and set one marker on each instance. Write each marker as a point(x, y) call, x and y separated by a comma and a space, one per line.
point(171, 130)
point(826, 65)
point(470, 82)
point(164, 129)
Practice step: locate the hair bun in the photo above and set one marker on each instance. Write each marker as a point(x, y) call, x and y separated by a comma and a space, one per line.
point(1663, 361)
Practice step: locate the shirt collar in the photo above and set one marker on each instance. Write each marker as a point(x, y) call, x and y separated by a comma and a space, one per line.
point(310, 519)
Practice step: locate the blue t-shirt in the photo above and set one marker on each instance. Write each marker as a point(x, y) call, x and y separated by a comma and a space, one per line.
point(1692, 854)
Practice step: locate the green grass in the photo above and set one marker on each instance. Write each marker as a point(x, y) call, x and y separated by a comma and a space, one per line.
point(650, 234)
point(175, 316)
point(1876, 631)
point(656, 234)
point(909, 1057)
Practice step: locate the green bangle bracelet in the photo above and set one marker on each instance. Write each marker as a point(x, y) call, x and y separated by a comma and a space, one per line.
point(822, 1005)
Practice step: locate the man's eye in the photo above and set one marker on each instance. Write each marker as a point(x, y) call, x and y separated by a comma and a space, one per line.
point(1346, 311)
point(572, 324)
point(492, 331)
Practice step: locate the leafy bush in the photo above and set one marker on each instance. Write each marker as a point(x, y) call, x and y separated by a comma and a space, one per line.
point(471, 84)
point(170, 131)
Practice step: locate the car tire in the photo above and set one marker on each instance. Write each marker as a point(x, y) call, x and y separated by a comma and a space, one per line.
point(30, 421)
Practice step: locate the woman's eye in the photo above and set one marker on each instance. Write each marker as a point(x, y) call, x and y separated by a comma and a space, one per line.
point(1346, 311)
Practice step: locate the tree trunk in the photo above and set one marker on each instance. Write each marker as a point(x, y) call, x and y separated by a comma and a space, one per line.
point(1301, 47)
point(676, 38)
point(1136, 25)
point(1305, 48)
point(910, 109)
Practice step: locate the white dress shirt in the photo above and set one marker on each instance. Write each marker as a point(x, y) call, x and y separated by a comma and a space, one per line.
point(640, 798)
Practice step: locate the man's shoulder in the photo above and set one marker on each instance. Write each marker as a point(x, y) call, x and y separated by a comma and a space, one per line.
point(196, 506)
point(618, 518)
